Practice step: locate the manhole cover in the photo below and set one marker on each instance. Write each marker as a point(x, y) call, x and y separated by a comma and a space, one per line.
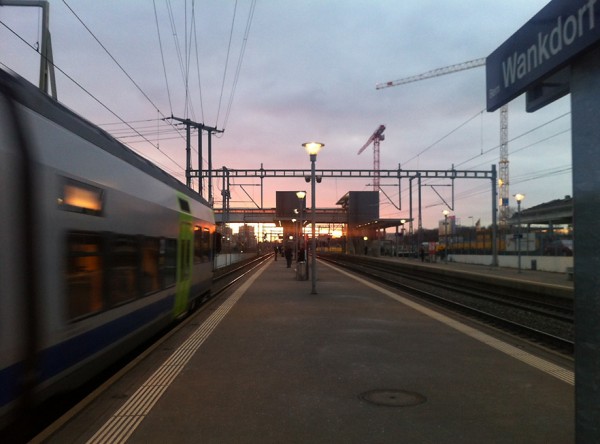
point(393, 398)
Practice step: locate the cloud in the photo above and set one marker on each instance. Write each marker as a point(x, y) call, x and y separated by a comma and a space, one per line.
point(309, 72)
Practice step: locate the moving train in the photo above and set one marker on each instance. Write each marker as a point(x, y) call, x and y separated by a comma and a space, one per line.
point(100, 249)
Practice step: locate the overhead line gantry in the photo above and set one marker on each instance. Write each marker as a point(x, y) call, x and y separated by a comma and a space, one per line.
point(226, 174)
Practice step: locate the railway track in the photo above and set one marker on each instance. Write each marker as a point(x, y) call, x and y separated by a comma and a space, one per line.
point(544, 319)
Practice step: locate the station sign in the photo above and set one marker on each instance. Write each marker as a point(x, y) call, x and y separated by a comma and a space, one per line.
point(541, 48)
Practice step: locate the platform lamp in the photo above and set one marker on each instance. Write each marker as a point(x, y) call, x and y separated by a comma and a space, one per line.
point(294, 238)
point(301, 195)
point(313, 148)
point(402, 222)
point(519, 197)
point(445, 213)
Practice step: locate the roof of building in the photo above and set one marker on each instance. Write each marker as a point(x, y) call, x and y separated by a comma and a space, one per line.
point(555, 212)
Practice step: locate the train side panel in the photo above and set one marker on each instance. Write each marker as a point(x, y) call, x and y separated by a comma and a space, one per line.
point(12, 257)
point(114, 265)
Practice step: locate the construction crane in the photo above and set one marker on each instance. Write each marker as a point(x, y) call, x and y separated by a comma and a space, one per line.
point(503, 179)
point(375, 138)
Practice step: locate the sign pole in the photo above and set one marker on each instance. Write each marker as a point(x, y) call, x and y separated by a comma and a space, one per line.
point(585, 107)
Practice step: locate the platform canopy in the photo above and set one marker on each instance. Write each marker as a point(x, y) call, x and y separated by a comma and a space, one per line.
point(555, 212)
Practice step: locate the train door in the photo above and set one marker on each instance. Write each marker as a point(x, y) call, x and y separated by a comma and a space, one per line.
point(185, 253)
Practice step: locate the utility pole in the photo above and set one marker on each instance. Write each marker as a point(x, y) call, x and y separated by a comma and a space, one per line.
point(189, 172)
point(47, 75)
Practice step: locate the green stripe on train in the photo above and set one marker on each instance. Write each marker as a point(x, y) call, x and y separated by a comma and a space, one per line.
point(185, 243)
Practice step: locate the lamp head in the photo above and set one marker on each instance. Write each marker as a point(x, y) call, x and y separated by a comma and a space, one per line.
point(519, 197)
point(301, 194)
point(313, 148)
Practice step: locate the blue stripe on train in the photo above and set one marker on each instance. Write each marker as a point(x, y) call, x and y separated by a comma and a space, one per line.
point(62, 356)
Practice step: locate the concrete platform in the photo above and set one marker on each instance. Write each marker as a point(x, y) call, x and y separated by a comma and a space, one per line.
point(355, 363)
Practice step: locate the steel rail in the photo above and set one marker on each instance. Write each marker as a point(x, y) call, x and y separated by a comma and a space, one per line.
point(560, 344)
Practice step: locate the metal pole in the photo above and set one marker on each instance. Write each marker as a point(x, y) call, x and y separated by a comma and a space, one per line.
point(399, 189)
point(420, 216)
point(188, 158)
point(200, 161)
point(519, 235)
point(446, 232)
point(262, 178)
point(210, 191)
point(303, 237)
point(494, 218)
point(313, 159)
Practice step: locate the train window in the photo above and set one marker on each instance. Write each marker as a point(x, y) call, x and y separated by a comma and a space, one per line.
point(206, 249)
point(184, 205)
point(197, 244)
point(201, 244)
point(84, 274)
point(80, 197)
point(168, 261)
point(150, 265)
point(123, 273)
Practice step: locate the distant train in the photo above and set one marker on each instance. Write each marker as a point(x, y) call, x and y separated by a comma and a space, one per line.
point(100, 249)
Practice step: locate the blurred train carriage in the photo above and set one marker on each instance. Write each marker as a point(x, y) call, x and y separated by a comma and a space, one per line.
point(100, 248)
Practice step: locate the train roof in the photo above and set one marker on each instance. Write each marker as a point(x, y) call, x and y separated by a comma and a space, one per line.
point(30, 96)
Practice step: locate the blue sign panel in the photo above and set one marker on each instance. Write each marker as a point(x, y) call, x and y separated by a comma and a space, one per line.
point(560, 31)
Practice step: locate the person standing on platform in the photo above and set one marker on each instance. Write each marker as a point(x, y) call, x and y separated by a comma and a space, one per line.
point(301, 255)
point(276, 250)
point(422, 254)
point(288, 256)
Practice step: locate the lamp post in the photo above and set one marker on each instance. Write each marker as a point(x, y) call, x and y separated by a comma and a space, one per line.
point(313, 148)
point(301, 195)
point(294, 238)
point(519, 198)
point(445, 213)
point(402, 222)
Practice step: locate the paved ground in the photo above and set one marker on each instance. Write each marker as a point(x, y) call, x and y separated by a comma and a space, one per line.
point(276, 364)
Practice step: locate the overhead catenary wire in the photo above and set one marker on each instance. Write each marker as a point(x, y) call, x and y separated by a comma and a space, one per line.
point(180, 59)
point(516, 137)
point(240, 60)
point(443, 138)
point(226, 62)
point(111, 56)
point(126, 74)
point(162, 57)
point(516, 180)
point(79, 85)
point(537, 142)
point(198, 72)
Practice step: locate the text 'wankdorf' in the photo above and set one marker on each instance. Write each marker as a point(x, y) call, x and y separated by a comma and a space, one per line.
point(566, 31)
